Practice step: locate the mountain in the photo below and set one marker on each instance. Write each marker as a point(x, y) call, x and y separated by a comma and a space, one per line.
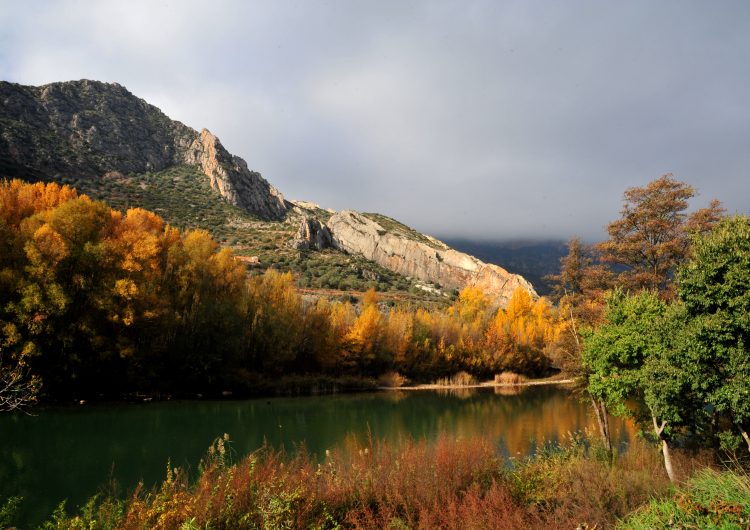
point(118, 148)
point(88, 129)
point(399, 248)
point(532, 259)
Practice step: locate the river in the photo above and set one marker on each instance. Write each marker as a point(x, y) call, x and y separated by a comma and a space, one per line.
point(73, 452)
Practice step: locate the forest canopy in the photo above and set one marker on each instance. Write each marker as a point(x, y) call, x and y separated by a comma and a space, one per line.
point(95, 301)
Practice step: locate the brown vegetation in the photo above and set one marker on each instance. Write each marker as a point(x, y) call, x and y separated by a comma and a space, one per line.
point(444, 484)
point(509, 378)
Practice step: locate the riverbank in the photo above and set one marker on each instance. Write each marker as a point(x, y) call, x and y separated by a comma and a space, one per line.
point(553, 380)
point(249, 386)
point(257, 386)
point(448, 484)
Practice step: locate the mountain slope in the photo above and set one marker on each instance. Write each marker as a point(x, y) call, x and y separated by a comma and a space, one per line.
point(88, 129)
point(399, 248)
point(116, 147)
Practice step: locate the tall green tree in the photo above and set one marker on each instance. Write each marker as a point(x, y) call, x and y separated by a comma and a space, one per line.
point(635, 368)
point(715, 289)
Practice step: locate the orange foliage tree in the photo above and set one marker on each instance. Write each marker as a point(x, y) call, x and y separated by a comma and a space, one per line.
point(96, 300)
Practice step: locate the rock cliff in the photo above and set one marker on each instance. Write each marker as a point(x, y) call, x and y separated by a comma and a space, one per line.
point(405, 251)
point(88, 128)
point(312, 235)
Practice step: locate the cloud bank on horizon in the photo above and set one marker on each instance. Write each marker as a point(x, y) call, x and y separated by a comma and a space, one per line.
point(486, 120)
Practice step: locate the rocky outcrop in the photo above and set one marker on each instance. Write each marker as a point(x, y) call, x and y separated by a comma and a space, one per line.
point(88, 128)
point(402, 250)
point(312, 235)
point(234, 181)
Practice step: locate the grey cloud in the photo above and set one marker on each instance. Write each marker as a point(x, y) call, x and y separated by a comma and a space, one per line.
point(483, 119)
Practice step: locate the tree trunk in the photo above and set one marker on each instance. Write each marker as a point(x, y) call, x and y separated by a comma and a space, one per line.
point(605, 419)
point(746, 437)
point(668, 461)
point(659, 429)
point(600, 411)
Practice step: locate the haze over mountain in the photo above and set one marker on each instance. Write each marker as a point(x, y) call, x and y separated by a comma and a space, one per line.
point(496, 120)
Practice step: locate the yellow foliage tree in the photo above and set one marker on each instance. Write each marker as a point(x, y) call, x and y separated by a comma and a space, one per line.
point(364, 336)
point(518, 335)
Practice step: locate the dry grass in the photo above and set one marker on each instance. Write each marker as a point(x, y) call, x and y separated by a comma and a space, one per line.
point(458, 379)
point(444, 484)
point(392, 380)
point(509, 378)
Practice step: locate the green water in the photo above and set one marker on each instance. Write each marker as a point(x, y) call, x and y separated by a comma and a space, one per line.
point(73, 452)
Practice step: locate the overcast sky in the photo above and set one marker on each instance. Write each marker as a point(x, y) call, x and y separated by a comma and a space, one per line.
point(487, 120)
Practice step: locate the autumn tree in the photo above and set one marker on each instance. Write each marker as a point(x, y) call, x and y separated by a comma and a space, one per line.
point(570, 281)
point(652, 235)
point(397, 335)
point(365, 333)
point(342, 317)
point(92, 300)
point(580, 289)
point(275, 319)
point(370, 298)
point(518, 335)
point(19, 388)
point(582, 282)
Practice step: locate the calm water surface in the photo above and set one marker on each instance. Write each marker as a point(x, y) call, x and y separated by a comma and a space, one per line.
point(73, 452)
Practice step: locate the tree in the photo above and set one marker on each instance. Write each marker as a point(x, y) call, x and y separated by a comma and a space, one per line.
point(652, 235)
point(472, 304)
point(570, 280)
point(632, 358)
point(370, 298)
point(276, 323)
point(517, 336)
point(714, 287)
point(364, 336)
point(18, 388)
point(580, 289)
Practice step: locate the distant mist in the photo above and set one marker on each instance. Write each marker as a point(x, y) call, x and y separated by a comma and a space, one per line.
point(531, 259)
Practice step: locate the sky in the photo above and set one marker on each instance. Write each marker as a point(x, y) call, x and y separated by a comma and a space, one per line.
point(487, 120)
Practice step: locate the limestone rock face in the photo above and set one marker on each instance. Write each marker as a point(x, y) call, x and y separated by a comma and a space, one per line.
point(312, 235)
point(402, 250)
point(234, 181)
point(88, 128)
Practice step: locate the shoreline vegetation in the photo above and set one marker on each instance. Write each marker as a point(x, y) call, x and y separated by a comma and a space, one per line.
point(446, 483)
point(552, 380)
point(98, 302)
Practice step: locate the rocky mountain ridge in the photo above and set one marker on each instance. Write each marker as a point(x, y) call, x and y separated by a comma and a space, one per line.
point(119, 148)
point(89, 128)
point(422, 257)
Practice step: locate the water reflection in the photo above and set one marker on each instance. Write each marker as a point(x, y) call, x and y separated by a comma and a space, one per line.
point(510, 390)
point(71, 452)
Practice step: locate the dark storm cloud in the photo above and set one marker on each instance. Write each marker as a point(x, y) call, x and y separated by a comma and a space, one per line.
point(476, 119)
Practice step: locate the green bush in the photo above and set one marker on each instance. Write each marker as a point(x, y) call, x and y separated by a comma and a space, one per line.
point(710, 500)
